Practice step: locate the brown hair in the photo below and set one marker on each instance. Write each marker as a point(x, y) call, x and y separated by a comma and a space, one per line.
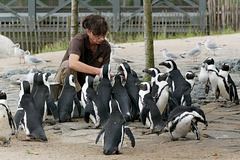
point(96, 24)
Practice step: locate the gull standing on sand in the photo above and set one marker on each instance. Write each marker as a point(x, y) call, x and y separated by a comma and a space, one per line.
point(18, 52)
point(211, 46)
point(32, 60)
point(169, 55)
point(195, 52)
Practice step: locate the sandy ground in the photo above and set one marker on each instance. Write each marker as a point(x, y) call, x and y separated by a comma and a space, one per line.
point(78, 143)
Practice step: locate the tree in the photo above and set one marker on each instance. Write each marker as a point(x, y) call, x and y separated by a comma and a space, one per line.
point(74, 18)
point(148, 35)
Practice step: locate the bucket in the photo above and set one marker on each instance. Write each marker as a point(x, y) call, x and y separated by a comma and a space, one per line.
point(55, 88)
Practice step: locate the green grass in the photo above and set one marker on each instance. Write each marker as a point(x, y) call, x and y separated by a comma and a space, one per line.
point(132, 38)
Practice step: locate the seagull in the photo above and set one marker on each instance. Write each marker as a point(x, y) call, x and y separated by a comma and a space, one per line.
point(203, 75)
point(32, 60)
point(169, 55)
point(18, 52)
point(195, 51)
point(211, 46)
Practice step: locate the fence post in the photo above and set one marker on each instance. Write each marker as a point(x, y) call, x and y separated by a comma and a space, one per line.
point(32, 13)
point(202, 9)
point(116, 13)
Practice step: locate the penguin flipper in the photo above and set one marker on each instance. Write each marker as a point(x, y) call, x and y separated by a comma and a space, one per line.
point(88, 109)
point(155, 94)
point(53, 107)
point(233, 90)
point(77, 103)
point(18, 117)
point(130, 135)
point(99, 135)
point(195, 130)
point(144, 114)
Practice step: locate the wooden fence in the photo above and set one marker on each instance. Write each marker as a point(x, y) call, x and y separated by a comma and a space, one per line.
point(33, 34)
point(223, 14)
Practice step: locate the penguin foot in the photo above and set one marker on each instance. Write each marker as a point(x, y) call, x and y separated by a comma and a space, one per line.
point(118, 152)
point(148, 132)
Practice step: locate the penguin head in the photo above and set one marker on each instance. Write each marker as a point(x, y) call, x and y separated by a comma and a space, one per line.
point(144, 86)
point(162, 77)
point(152, 71)
point(225, 67)
point(200, 116)
point(3, 95)
point(170, 64)
point(117, 79)
point(89, 81)
point(209, 61)
point(106, 71)
point(69, 80)
point(114, 106)
point(124, 69)
point(25, 87)
point(190, 75)
point(45, 78)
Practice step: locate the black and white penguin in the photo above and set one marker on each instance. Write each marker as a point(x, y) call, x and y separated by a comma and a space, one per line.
point(160, 93)
point(68, 100)
point(181, 89)
point(130, 85)
point(42, 97)
point(150, 114)
point(7, 123)
point(28, 115)
point(114, 131)
point(213, 76)
point(184, 119)
point(175, 78)
point(190, 78)
point(153, 73)
point(104, 88)
point(93, 106)
point(226, 85)
point(120, 94)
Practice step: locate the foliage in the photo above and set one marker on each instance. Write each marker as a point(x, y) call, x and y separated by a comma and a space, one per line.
point(58, 46)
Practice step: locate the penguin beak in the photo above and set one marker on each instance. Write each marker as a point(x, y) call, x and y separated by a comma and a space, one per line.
point(138, 84)
point(162, 64)
point(206, 123)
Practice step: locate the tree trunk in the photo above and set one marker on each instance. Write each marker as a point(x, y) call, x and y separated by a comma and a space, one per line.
point(148, 35)
point(74, 18)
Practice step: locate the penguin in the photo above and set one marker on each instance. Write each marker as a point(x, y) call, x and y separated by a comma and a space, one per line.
point(160, 93)
point(120, 94)
point(7, 123)
point(227, 86)
point(190, 78)
point(42, 96)
point(114, 131)
point(153, 73)
point(213, 76)
point(94, 107)
point(131, 79)
point(203, 77)
point(180, 88)
point(149, 114)
point(67, 99)
point(28, 115)
point(175, 78)
point(104, 88)
point(183, 119)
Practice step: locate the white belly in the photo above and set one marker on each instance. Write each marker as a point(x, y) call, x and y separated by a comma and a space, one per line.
point(222, 89)
point(163, 101)
point(6, 130)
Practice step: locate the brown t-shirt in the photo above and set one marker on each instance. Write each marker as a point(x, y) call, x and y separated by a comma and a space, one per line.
point(80, 45)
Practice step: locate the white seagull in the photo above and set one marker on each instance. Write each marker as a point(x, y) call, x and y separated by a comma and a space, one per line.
point(211, 46)
point(203, 75)
point(195, 51)
point(169, 55)
point(18, 52)
point(32, 60)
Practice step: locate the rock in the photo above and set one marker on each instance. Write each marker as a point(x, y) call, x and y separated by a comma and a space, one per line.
point(6, 49)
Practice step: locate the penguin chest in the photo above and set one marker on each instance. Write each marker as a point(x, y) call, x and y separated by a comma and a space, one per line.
point(183, 126)
point(5, 133)
point(213, 79)
point(223, 89)
point(162, 101)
